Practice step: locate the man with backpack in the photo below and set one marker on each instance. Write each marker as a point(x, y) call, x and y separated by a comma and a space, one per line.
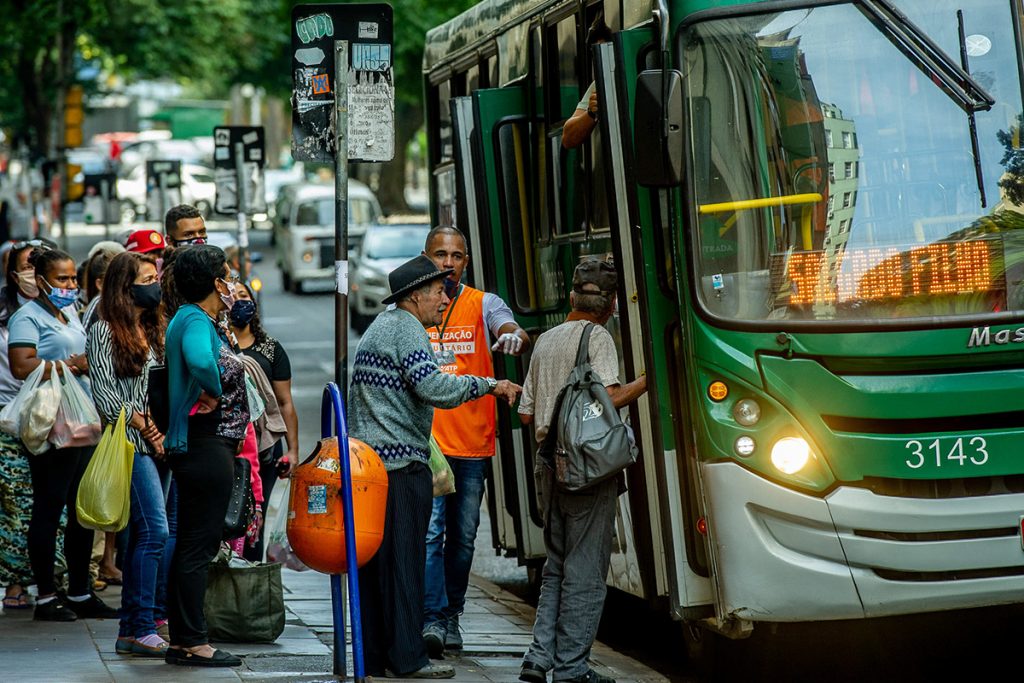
point(578, 524)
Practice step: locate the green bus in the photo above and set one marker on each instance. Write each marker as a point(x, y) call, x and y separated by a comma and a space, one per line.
point(815, 208)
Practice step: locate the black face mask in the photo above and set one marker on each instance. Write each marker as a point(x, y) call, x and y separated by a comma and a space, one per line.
point(147, 296)
point(242, 312)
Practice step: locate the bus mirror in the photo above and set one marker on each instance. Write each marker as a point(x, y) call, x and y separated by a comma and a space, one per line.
point(658, 128)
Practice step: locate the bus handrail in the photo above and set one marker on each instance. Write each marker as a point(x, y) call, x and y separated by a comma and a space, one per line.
point(741, 204)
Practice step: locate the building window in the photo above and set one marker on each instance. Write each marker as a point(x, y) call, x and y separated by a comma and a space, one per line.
point(847, 140)
point(828, 139)
point(847, 200)
point(831, 204)
point(831, 172)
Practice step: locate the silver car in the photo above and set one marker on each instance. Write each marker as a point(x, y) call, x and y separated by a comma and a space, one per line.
point(383, 248)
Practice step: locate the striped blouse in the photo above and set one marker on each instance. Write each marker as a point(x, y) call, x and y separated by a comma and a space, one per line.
point(109, 391)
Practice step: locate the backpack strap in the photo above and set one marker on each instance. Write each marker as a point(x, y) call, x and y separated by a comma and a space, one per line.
point(583, 353)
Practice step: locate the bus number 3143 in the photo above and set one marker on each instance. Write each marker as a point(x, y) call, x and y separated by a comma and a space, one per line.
point(974, 450)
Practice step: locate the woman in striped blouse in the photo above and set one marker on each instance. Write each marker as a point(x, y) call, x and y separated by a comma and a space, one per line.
point(126, 340)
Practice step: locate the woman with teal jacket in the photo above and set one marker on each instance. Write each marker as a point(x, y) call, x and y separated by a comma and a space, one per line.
point(209, 413)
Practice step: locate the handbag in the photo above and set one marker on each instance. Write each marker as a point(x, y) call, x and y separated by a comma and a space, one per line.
point(587, 442)
point(244, 600)
point(242, 505)
point(103, 501)
point(158, 401)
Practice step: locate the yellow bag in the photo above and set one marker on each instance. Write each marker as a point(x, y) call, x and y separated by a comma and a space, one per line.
point(104, 496)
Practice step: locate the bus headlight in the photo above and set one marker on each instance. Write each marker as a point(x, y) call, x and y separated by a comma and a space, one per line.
point(747, 412)
point(744, 446)
point(790, 454)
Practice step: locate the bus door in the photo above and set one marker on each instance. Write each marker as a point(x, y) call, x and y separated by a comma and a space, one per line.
point(647, 246)
point(498, 170)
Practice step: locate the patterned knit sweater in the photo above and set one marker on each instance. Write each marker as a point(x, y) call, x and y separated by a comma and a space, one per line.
point(396, 385)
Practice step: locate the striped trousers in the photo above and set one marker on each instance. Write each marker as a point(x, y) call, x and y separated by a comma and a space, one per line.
point(391, 584)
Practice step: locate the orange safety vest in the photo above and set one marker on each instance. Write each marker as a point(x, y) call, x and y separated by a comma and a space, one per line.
point(466, 431)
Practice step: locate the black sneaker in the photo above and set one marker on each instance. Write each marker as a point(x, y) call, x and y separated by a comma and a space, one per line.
point(433, 638)
point(532, 673)
point(54, 610)
point(92, 608)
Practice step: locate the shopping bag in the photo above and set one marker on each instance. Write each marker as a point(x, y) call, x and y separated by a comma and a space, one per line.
point(279, 549)
point(40, 414)
point(443, 478)
point(244, 600)
point(11, 415)
point(77, 423)
point(104, 496)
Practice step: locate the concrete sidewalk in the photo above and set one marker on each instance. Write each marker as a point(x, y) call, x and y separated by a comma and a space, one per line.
point(496, 628)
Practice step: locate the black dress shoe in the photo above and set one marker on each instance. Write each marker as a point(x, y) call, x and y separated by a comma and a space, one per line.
point(186, 658)
point(532, 673)
point(92, 608)
point(54, 610)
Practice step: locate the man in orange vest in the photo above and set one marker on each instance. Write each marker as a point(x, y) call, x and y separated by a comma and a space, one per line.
point(475, 324)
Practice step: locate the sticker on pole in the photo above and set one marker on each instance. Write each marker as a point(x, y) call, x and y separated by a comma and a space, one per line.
point(367, 78)
point(316, 497)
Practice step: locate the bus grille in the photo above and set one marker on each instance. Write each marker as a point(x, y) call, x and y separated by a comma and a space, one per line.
point(936, 489)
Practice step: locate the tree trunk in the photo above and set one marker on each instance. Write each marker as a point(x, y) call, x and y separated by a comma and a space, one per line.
point(391, 194)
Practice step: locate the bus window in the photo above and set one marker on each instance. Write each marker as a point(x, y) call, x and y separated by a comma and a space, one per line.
point(613, 14)
point(444, 118)
point(564, 92)
point(492, 71)
point(444, 179)
point(472, 79)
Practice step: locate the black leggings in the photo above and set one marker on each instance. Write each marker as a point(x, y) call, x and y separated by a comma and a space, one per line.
point(203, 476)
point(56, 474)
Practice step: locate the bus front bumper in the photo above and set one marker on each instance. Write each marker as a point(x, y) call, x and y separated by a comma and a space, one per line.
point(781, 555)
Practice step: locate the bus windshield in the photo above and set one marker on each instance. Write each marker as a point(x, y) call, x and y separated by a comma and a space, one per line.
point(834, 179)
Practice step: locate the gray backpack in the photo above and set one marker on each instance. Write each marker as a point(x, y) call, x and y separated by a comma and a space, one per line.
point(587, 442)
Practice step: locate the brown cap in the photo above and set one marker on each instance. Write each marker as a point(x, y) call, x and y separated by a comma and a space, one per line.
point(594, 276)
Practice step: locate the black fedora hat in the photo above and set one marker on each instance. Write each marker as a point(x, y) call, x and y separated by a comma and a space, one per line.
point(411, 275)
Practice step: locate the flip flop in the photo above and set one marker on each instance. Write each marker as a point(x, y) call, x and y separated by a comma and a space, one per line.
point(111, 581)
point(19, 601)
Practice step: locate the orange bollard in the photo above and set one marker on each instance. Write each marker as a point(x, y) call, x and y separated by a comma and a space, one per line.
point(315, 524)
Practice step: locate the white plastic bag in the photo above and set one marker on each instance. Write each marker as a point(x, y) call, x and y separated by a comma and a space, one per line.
point(40, 414)
point(11, 415)
point(77, 422)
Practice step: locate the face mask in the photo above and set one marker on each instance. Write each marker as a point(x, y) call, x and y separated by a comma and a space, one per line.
point(159, 267)
point(60, 297)
point(27, 283)
point(229, 298)
point(450, 288)
point(147, 296)
point(242, 312)
point(190, 241)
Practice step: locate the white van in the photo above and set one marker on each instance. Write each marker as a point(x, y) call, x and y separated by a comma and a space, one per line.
point(305, 235)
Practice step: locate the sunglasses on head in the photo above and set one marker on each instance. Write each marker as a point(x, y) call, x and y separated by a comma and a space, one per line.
point(31, 243)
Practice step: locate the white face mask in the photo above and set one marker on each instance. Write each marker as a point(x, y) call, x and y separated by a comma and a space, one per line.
point(27, 283)
point(228, 299)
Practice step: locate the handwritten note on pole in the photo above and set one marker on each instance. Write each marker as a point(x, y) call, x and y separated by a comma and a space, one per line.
point(371, 115)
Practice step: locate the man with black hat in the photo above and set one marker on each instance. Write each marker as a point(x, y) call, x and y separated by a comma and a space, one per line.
point(578, 525)
point(396, 384)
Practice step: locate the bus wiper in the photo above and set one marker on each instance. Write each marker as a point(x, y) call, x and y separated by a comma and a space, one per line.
point(938, 66)
point(971, 121)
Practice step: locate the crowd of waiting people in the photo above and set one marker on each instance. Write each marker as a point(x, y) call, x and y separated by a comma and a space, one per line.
point(158, 299)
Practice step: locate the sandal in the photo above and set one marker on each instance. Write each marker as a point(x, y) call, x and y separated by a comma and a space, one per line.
point(111, 580)
point(19, 601)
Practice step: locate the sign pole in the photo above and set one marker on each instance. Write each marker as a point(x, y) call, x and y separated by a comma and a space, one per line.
point(241, 201)
point(340, 306)
point(163, 200)
point(105, 198)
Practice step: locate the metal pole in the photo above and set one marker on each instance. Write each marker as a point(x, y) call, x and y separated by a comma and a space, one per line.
point(241, 198)
point(161, 180)
point(105, 198)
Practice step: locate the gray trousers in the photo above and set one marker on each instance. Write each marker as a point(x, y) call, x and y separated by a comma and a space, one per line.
point(578, 540)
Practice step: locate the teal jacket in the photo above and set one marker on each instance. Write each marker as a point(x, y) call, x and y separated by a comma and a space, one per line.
point(192, 350)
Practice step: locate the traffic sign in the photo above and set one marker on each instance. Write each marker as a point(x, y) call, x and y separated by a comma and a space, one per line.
point(234, 144)
point(369, 81)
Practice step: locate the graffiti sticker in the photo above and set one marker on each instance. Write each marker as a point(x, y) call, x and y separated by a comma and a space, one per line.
point(321, 84)
point(314, 27)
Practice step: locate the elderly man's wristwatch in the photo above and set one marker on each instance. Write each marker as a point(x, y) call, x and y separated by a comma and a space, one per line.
point(492, 384)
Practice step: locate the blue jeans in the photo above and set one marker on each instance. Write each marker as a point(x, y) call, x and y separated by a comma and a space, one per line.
point(147, 537)
point(451, 538)
point(171, 495)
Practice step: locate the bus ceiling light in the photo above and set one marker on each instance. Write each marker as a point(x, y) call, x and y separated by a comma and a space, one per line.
point(747, 412)
point(790, 454)
point(717, 391)
point(744, 446)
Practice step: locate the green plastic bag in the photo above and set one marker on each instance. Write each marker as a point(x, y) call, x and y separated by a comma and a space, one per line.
point(244, 600)
point(443, 478)
point(104, 496)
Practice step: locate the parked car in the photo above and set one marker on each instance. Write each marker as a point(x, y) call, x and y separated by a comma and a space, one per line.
point(197, 188)
point(304, 234)
point(382, 249)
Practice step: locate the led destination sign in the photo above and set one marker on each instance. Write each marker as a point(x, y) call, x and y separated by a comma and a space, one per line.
point(941, 268)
